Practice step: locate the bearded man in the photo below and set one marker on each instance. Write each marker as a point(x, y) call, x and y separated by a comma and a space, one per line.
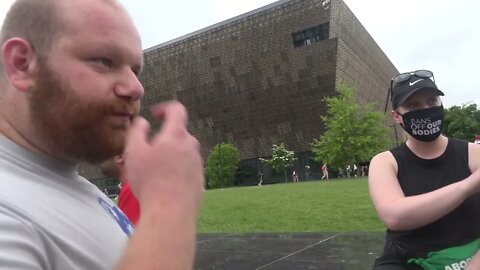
point(69, 93)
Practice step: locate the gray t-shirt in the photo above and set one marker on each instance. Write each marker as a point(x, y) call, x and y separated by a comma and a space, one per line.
point(52, 218)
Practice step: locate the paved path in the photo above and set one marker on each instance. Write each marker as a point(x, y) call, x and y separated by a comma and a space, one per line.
point(293, 251)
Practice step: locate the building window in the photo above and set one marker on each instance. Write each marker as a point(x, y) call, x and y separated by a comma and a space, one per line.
point(215, 61)
point(311, 35)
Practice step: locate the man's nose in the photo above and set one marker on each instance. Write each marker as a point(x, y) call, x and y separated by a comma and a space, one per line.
point(129, 87)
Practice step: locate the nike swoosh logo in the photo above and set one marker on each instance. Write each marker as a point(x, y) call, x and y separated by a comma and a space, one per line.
point(412, 83)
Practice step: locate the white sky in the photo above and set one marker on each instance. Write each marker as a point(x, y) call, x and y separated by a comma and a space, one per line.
point(439, 35)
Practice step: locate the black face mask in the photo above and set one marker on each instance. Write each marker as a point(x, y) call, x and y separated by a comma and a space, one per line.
point(424, 125)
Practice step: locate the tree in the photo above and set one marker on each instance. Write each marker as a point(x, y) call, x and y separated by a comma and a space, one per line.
point(353, 132)
point(462, 122)
point(281, 159)
point(221, 165)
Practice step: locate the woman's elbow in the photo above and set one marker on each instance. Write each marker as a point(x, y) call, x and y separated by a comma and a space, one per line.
point(395, 222)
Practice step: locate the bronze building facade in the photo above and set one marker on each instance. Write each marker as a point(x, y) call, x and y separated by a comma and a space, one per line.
point(258, 79)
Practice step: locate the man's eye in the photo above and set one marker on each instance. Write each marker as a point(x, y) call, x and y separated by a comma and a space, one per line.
point(136, 71)
point(104, 62)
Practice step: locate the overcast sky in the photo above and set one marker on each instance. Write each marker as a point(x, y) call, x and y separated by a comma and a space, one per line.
point(439, 35)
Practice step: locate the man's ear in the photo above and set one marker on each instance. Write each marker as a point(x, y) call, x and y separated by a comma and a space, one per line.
point(19, 61)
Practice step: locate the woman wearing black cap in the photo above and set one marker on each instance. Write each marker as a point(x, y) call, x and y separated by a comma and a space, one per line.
point(426, 190)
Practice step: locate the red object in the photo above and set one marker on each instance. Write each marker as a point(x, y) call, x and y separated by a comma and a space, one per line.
point(128, 203)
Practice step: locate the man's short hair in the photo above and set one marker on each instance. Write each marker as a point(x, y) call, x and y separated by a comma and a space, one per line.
point(36, 21)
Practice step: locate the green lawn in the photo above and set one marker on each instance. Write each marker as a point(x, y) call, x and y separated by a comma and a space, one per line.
point(317, 206)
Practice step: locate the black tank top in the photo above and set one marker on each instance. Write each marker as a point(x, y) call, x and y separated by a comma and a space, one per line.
point(418, 176)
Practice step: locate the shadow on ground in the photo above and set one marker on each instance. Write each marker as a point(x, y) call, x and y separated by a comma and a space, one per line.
point(270, 251)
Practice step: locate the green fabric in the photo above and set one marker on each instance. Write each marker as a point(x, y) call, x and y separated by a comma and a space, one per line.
point(454, 258)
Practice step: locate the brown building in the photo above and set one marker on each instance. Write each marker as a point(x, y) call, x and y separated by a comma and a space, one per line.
point(258, 79)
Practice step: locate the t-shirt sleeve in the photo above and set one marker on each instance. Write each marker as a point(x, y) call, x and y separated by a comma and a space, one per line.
point(20, 245)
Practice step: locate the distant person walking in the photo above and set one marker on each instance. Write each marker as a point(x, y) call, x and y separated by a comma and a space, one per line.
point(295, 176)
point(307, 172)
point(260, 178)
point(325, 171)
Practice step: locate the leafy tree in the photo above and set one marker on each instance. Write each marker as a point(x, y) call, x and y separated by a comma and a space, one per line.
point(353, 132)
point(221, 165)
point(462, 122)
point(281, 159)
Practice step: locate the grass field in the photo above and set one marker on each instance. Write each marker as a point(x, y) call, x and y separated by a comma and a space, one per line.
point(315, 206)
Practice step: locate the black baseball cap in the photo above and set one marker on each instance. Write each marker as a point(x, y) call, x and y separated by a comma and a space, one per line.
point(401, 91)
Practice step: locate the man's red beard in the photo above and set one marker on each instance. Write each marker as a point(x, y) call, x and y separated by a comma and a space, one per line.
point(71, 126)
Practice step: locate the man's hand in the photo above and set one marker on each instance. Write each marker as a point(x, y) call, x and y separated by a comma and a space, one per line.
point(166, 174)
point(168, 166)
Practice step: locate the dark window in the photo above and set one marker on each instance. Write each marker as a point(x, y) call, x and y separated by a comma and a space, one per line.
point(311, 35)
point(215, 61)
